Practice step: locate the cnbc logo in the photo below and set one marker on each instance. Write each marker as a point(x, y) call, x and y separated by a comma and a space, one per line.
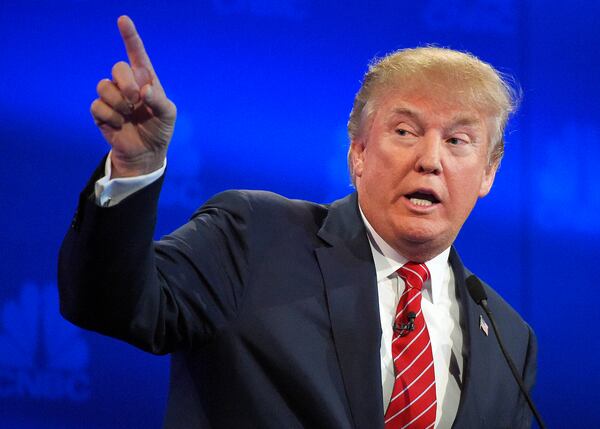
point(41, 355)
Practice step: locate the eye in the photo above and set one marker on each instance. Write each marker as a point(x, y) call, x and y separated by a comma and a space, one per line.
point(402, 132)
point(456, 141)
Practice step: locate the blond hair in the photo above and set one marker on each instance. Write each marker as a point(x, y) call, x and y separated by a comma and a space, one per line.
point(444, 70)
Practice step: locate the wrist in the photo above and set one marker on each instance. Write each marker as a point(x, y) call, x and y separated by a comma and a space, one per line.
point(136, 166)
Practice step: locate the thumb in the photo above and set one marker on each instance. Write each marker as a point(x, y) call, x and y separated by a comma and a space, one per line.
point(156, 99)
point(142, 76)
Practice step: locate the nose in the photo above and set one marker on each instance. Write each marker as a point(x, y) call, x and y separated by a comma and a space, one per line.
point(429, 154)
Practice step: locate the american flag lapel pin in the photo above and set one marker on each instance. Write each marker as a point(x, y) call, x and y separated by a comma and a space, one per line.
point(482, 325)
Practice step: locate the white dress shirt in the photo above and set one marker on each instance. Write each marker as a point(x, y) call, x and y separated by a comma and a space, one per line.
point(441, 312)
point(439, 303)
point(110, 192)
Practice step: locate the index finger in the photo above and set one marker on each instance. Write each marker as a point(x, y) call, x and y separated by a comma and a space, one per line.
point(133, 44)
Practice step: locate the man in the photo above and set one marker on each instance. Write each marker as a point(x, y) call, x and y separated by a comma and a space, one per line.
point(291, 314)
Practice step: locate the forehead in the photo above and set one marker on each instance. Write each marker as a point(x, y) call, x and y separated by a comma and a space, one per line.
point(442, 89)
point(431, 107)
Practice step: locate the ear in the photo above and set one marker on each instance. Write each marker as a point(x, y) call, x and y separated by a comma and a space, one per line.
point(488, 179)
point(357, 152)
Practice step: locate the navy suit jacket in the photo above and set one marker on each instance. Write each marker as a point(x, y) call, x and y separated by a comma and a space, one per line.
point(269, 308)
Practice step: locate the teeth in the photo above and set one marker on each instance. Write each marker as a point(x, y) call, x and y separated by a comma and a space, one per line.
point(420, 202)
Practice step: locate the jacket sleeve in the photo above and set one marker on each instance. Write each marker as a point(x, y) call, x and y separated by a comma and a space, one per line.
point(159, 296)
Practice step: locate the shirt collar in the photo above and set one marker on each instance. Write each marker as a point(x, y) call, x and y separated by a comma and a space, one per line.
point(387, 261)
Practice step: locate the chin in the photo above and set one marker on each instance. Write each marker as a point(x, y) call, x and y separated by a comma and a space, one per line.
point(419, 232)
point(422, 242)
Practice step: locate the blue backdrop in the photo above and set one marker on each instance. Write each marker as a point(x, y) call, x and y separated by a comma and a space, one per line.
point(264, 88)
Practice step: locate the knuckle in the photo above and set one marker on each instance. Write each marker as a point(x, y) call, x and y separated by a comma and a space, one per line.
point(94, 106)
point(96, 113)
point(116, 119)
point(119, 67)
point(128, 90)
point(103, 86)
point(124, 107)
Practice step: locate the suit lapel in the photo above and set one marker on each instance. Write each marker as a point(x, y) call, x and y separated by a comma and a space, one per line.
point(350, 281)
point(351, 287)
point(476, 365)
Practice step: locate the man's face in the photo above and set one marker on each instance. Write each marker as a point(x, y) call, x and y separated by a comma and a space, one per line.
point(420, 165)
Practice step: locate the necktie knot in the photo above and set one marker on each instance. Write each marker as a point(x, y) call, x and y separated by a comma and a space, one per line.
point(414, 274)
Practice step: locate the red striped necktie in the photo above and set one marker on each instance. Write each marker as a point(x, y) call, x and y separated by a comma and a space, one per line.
point(413, 402)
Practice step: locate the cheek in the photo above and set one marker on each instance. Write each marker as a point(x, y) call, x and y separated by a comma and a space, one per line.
point(375, 183)
point(465, 189)
point(388, 163)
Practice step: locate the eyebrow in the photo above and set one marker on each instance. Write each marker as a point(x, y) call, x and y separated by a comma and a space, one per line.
point(405, 111)
point(457, 121)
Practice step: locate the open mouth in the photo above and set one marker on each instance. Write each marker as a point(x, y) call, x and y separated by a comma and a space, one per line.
point(422, 198)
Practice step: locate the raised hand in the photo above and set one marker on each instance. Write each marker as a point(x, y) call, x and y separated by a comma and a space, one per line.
point(133, 112)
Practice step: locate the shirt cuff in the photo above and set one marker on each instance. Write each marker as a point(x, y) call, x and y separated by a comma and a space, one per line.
point(110, 192)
